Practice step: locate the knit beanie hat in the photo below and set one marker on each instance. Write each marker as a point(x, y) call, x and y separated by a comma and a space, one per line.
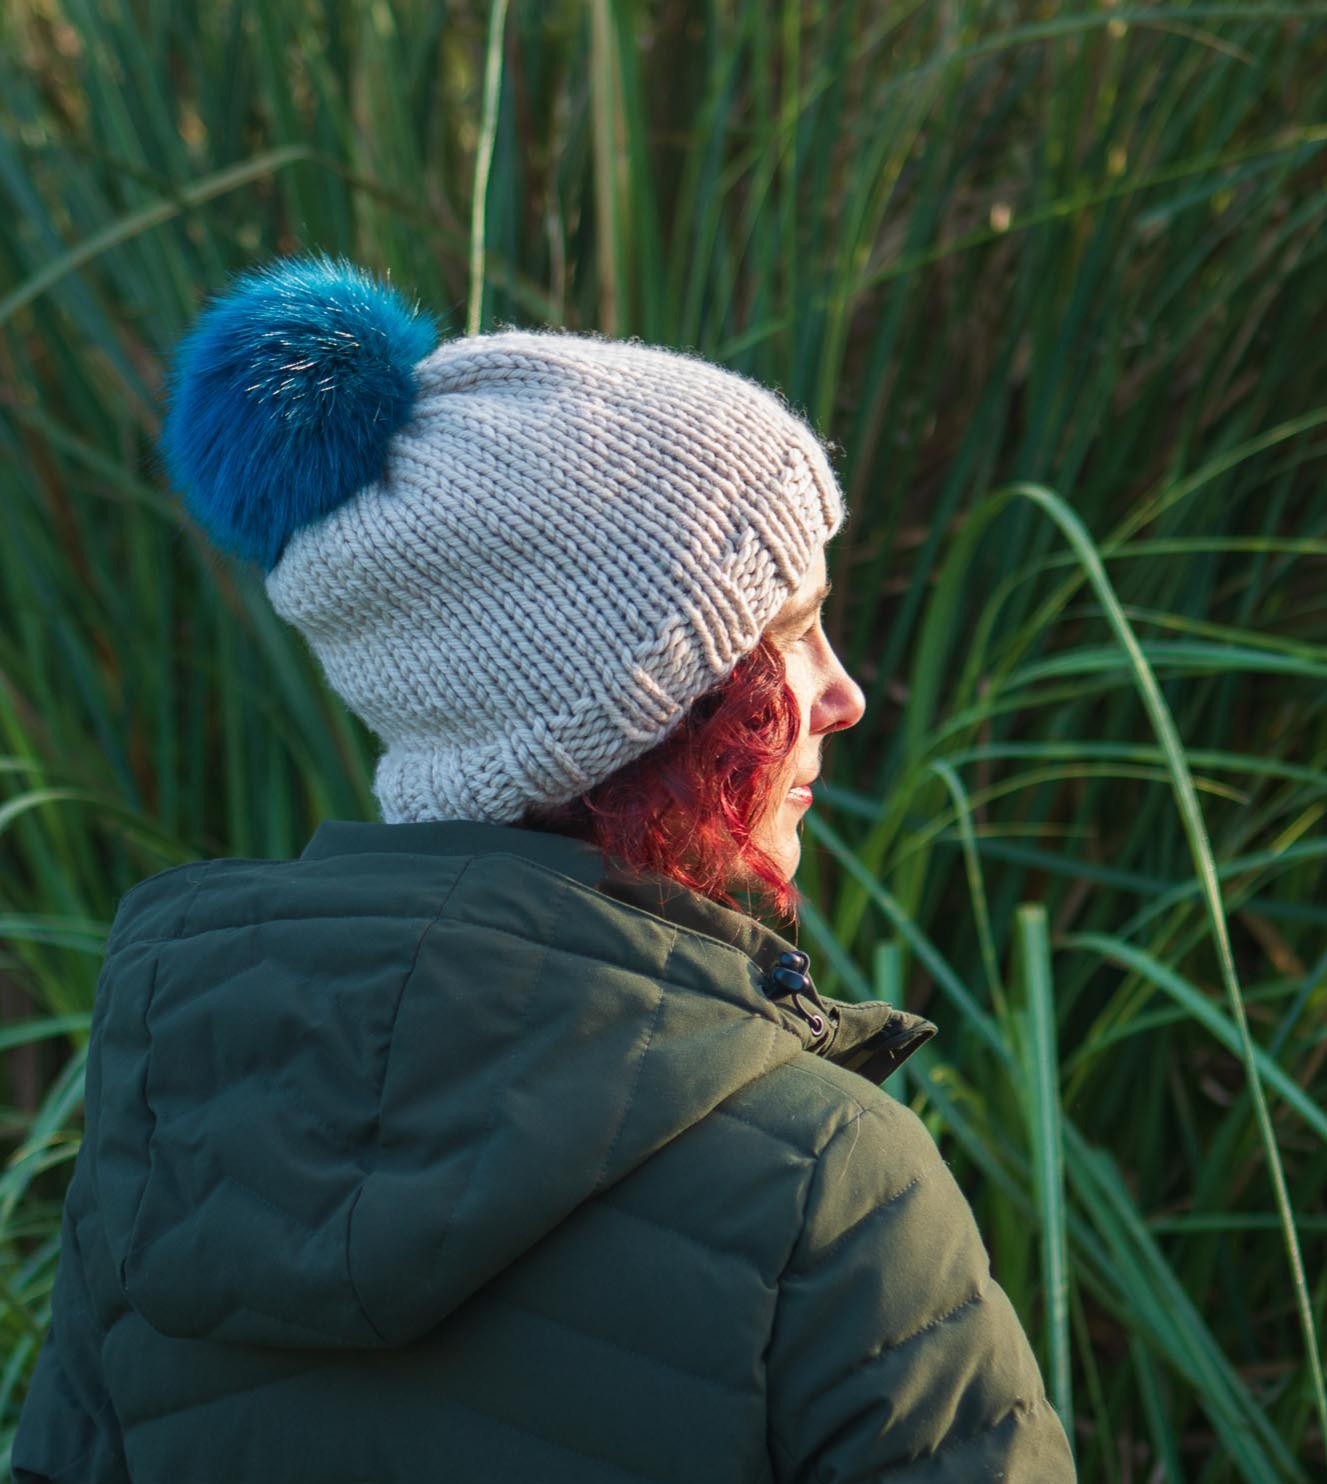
point(519, 557)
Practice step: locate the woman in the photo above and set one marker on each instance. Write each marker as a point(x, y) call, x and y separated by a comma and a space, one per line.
point(491, 1142)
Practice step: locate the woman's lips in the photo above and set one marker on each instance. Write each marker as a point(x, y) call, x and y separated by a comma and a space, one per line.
point(801, 796)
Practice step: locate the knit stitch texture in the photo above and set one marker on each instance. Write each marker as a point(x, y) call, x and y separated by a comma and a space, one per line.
point(572, 540)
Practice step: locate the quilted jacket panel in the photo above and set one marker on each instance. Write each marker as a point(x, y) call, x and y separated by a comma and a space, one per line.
point(447, 1152)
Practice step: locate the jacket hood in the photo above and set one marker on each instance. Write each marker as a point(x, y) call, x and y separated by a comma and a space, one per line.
point(329, 1098)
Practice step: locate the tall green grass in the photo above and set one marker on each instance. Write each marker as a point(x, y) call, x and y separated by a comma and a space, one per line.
point(1053, 280)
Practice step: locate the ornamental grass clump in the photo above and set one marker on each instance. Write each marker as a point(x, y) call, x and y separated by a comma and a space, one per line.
point(1052, 282)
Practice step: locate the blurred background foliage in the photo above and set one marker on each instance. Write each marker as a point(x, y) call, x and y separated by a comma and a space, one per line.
point(1051, 277)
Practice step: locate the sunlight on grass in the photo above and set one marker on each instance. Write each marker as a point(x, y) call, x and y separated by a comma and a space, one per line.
point(1047, 281)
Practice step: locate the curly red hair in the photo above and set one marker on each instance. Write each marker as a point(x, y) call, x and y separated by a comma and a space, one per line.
point(687, 809)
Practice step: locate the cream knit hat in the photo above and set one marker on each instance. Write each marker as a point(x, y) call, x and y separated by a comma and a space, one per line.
point(519, 557)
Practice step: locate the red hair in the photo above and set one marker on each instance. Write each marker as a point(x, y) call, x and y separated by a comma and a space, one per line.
point(688, 807)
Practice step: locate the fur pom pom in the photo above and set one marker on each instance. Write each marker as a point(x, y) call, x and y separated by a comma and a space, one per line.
point(284, 396)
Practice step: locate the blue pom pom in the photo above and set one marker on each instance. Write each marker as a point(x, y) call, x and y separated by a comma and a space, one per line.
point(283, 398)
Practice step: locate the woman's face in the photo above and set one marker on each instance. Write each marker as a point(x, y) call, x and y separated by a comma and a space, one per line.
point(828, 700)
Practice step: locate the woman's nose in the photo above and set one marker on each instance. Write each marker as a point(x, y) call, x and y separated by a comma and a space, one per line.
point(841, 703)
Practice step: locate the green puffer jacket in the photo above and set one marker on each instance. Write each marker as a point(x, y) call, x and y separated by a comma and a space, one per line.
point(445, 1152)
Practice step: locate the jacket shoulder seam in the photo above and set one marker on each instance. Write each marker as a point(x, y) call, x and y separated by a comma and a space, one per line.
point(817, 1167)
point(807, 1193)
point(851, 1231)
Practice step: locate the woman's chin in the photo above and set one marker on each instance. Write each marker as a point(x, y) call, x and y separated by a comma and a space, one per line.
point(786, 849)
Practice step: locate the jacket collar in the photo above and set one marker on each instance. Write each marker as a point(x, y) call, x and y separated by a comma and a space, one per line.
point(870, 1037)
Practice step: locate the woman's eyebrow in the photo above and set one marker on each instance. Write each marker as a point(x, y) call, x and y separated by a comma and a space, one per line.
point(803, 611)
